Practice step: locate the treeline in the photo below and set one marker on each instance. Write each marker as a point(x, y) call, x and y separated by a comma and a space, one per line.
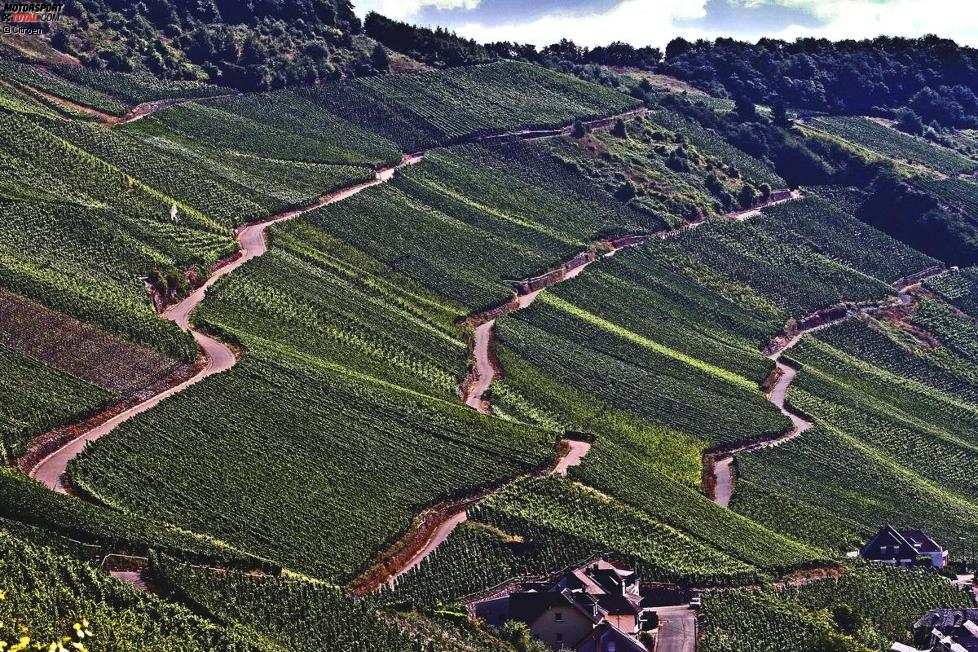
point(891, 203)
point(932, 76)
point(440, 47)
point(257, 45)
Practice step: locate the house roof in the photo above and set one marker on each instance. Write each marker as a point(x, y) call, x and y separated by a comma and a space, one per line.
point(528, 606)
point(920, 541)
point(617, 605)
point(888, 536)
point(947, 620)
point(578, 579)
point(600, 635)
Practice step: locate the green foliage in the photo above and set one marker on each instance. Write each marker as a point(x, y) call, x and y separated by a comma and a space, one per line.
point(28, 502)
point(363, 365)
point(889, 143)
point(80, 233)
point(135, 89)
point(902, 354)
point(762, 621)
point(228, 187)
point(470, 216)
point(866, 608)
point(552, 506)
point(651, 170)
point(437, 108)
point(279, 126)
point(46, 81)
point(878, 604)
point(34, 398)
point(812, 256)
point(248, 48)
point(266, 609)
point(48, 594)
point(959, 288)
point(477, 557)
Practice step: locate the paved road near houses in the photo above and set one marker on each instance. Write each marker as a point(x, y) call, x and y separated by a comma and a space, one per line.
point(677, 630)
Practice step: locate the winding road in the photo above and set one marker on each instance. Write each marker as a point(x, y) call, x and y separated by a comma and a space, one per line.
point(723, 462)
point(219, 357)
point(484, 370)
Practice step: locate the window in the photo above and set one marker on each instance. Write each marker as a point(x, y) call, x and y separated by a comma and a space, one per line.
point(558, 616)
point(559, 637)
point(611, 646)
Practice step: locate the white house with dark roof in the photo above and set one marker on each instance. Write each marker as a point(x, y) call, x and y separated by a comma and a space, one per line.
point(594, 608)
point(948, 630)
point(903, 548)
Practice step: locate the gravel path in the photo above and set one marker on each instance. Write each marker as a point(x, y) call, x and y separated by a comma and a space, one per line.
point(251, 238)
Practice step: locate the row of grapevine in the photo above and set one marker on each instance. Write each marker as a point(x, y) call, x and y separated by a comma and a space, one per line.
point(891, 143)
point(260, 131)
point(228, 188)
point(32, 504)
point(46, 596)
point(901, 354)
point(866, 608)
point(135, 88)
point(47, 82)
point(959, 288)
point(89, 354)
point(293, 615)
point(436, 108)
point(551, 507)
point(337, 426)
point(35, 398)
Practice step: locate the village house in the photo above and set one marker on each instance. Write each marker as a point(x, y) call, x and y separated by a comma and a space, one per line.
point(946, 630)
point(903, 548)
point(595, 608)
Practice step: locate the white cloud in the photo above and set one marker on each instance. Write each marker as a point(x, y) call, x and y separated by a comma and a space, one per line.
point(405, 9)
point(955, 19)
point(640, 22)
point(651, 22)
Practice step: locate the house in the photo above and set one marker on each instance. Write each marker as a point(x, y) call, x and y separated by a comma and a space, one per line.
point(903, 548)
point(594, 608)
point(946, 630)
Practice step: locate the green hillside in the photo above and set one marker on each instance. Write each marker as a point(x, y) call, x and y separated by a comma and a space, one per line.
point(261, 501)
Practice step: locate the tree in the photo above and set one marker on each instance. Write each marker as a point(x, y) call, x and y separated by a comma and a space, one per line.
point(747, 196)
point(846, 618)
point(779, 113)
point(380, 59)
point(618, 131)
point(746, 110)
point(579, 130)
point(910, 122)
point(677, 47)
point(59, 41)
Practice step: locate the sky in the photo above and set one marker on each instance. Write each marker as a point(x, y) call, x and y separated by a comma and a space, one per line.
point(656, 22)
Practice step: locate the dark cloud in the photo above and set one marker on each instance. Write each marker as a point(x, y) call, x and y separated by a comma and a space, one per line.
point(491, 13)
point(733, 17)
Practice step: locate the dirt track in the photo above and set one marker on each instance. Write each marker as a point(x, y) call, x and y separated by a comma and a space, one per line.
point(50, 470)
point(438, 525)
point(219, 357)
point(724, 474)
point(484, 372)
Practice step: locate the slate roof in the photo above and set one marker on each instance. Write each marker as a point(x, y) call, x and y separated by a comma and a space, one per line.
point(920, 541)
point(527, 607)
point(909, 543)
point(598, 638)
point(946, 619)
